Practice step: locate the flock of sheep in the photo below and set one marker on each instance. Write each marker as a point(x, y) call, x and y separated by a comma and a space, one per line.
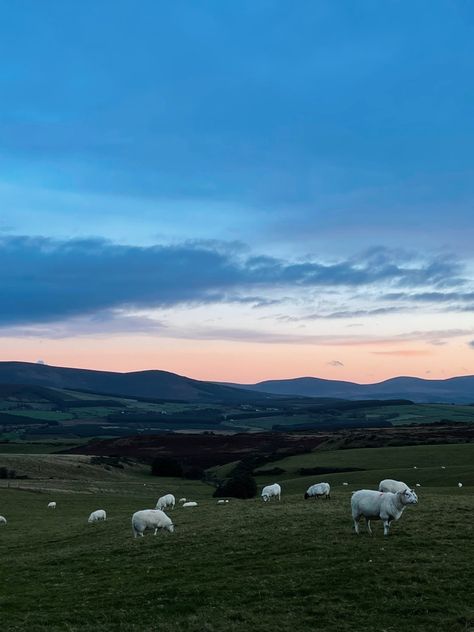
point(387, 504)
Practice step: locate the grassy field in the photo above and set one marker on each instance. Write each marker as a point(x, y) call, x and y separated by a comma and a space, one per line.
point(240, 566)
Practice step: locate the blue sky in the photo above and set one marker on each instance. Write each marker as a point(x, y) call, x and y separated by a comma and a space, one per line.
point(270, 171)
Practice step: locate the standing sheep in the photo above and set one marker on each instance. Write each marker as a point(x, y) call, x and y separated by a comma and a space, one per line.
point(318, 490)
point(271, 491)
point(150, 519)
point(3, 520)
point(384, 506)
point(52, 505)
point(168, 500)
point(97, 515)
point(390, 485)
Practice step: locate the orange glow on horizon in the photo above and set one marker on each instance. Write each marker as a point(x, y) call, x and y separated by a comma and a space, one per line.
point(245, 362)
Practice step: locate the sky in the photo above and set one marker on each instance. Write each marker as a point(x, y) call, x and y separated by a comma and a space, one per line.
point(238, 191)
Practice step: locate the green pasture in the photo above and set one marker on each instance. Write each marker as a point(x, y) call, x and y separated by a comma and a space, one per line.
point(413, 464)
point(36, 447)
point(243, 566)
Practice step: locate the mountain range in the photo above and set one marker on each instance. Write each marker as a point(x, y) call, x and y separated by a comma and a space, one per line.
point(165, 385)
point(452, 390)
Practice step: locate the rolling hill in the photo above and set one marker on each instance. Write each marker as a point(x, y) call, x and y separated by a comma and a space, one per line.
point(170, 386)
point(156, 384)
point(458, 390)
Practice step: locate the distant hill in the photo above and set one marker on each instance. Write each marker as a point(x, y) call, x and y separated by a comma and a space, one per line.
point(154, 384)
point(165, 385)
point(453, 390)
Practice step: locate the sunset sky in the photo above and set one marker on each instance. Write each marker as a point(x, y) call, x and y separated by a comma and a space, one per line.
point(238, 191)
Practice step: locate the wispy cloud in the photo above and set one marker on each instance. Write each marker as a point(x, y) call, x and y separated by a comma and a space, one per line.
point(45, 280)
point(404, 353)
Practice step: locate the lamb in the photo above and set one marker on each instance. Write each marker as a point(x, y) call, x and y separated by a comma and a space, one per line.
point(150, 519)
point(3, 520)
point(97, 515)
point(182, 500)
point(385, 506)
point(390, 485)
point(168, 500)
point(52, 505)
point(190, 503)
point(318, 490)
point(271, 491)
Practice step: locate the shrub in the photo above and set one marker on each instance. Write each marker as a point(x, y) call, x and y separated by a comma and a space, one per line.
point(166, 466)
point(240, 486)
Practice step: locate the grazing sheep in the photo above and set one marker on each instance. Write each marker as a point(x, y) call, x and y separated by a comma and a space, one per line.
point(389, 485)
point(97, 515)
point(3, 520)
point(384, 506)
point(345, 483)
point(271, 491)
point(52, 505)
point(182, 500)
point(168, 500)
point(443, 467)
point(418, 485)
point(318, 490)
point(459, 484)
point(190, 503)
point(150, 519)
point(221, 502)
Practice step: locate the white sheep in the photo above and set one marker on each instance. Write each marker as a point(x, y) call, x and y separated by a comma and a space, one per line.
point(271, 491)
point(97, 515)
point(221, 502)
point(318, 490)
point(182, 500)
point(3, 520)
point(150, 519)
point(52, 505)
point(168, 500)
point(417, 485)
point(345, 483)
point(459, 484)
point(190, 503)
point(390, 485)
point(384, 506)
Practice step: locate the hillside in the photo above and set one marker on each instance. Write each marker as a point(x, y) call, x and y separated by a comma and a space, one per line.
point(156, 384)
point(298, 558)
point(458, 390)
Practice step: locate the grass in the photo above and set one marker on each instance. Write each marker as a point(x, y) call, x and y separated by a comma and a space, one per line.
point(42, 415)
point(36, 447)
point(244, 566)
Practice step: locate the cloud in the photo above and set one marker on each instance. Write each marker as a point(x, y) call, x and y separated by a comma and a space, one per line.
point(405, 353)
point(471, 344)
point(44, 280)
point(335, 363)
